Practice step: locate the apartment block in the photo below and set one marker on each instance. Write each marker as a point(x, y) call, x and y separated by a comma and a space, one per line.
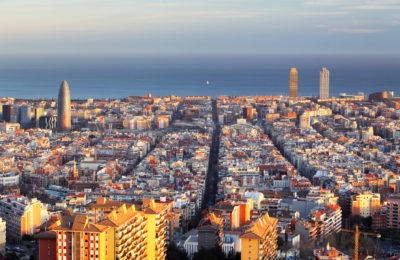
point(393, 212)
point(22, 216)
point(259, 241)
point(365, 204)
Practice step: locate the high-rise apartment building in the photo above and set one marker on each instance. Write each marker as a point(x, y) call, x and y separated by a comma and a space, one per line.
point(2, 236)
point(22, 216)
point(24, 114)
point(8, 112)
point(365, 204)
point(324, 83)
point(259, 241)
point(156, 226)
point(293, 82)
point(148, 215)
point(39, 111)
point(393, 212)
point(64, 108)
point(125, 231)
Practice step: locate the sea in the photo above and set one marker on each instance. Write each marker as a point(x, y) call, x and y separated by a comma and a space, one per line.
point(37, 76)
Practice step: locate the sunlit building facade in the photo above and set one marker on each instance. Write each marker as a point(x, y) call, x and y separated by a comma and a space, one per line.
point(259, 241)
point(22, 216)
point(366, 204)
point(293, 82)
point(64, 108)
point(324, 83)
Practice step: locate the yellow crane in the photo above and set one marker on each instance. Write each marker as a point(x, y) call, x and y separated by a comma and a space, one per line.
point(357, 233)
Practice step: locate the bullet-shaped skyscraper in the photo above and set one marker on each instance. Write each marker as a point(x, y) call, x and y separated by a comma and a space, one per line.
point(64, 108)
point(293, 82)
point(324, 83)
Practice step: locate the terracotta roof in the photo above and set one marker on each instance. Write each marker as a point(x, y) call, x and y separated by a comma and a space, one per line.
point(261, 228)
point(120, 216)
point(79, 223)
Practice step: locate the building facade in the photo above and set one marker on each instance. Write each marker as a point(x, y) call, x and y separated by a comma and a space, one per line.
point(293, 82)
point(366, 204)
point(259, 241)
point(3, 230)
point(22, 216)
point(393, 212)
point(64, 108)
point(324, 83)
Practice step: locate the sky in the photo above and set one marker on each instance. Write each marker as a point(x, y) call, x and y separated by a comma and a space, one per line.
point(201, 26)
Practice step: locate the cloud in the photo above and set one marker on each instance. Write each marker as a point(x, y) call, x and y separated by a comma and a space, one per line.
point(327, 13)
point(348, 30)
point(357, 4)
point(356, 31)
point(322, 2)
point(375, 7)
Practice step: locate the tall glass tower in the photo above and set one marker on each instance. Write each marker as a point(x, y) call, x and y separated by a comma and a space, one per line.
point(64, 108)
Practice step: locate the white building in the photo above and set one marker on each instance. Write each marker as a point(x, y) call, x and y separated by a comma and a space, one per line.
point(9, 179)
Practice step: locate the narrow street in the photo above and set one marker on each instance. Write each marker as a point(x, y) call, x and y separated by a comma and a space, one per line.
point(212, 175)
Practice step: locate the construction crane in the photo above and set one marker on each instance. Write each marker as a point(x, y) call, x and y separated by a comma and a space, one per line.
point(357, 233)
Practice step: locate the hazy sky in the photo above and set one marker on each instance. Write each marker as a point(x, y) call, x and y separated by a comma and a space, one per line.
point(119, 26)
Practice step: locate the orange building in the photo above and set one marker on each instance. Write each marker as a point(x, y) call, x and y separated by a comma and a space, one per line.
point(121, 234)
point(153, 215)
point(244, 210)
point(129, 229)
point(229, 213)
point(22, 215)
point(79, 239)
point(329, 253)
point(259, 241)
point(271, 117)
point(156, 227)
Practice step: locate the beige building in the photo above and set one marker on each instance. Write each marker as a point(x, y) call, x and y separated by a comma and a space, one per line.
point(22, 216)
point(365, 204)
point(293, 81)
point(324, 83)
point(2, 236)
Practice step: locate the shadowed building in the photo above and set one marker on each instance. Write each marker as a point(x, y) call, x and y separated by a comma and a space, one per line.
point(293, 82)
point(210, 232)
point(259, 241)
point(64, 108)
point(8, 112)
point(324, 83)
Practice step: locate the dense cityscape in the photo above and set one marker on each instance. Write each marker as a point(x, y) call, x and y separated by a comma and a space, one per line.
point(244, 177)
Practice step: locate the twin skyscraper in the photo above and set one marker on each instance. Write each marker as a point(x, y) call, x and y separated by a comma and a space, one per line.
point(323, 83)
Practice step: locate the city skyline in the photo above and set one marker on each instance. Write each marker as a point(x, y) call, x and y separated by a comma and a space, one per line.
point(206, 130)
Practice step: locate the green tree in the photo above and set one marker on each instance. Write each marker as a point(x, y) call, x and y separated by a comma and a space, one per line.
point(175, 253)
